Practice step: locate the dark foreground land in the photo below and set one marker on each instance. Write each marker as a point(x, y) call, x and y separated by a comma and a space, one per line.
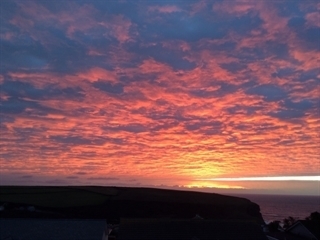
point(113, 203)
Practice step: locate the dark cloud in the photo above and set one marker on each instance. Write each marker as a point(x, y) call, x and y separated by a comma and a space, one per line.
point(286, 142)
point(72, 177)
point(234, 67)
point(164, 126)
point(287, 114)
point(134, 128)
point(11, 8)
point(129, 8)
point(61, 54)
point(94, 140)
point(103, 178)
point(297, 22)
point(283, 72)
point(167, 114)
point(26, 133)
point(4, 118)
point(68, 56)
point(243, 127)
point(196, 27)
point(108, 87)
point(56, 181)
point(310, 36)
point(179, 26)
point(302, 105)
point(208, 125)
point(88, 154)
point(75, 140)
point(267, 49)
point(225, 88)
point(19, 89)
point(173, 57)
point(248, 110)
point(23, 53)
point(15, 106)
point(244, 24)
point(312, 74)
point(27, 176)
point(268, 92)
point(289, 10)
point(276, 50)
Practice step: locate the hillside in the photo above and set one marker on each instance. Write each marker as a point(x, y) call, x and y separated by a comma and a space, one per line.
point(121, 202)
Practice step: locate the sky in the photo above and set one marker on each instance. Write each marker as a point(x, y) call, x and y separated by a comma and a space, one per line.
point(213, 95)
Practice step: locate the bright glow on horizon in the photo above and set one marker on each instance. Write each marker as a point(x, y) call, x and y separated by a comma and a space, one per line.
point(211, 185)
point(279, 178)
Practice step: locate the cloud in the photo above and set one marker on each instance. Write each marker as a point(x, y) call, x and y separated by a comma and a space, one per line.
point(15, 105)
point(72, 177)
point(239, 8)
point(164, 9)
point(78, 140)
point(158, 92)
point(107, 87)
point(27, 176)
point(299, 105)
point(313, 19)
point(287, 114)
point(22, 89)
point(268, 92)
point(104, 178)
point(160, 53)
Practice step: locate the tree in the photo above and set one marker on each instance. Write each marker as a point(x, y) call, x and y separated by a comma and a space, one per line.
point(288, 222)
point(314, 217)
point(274, 226)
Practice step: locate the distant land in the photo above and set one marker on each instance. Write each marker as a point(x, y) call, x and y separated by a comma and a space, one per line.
point(114, 203)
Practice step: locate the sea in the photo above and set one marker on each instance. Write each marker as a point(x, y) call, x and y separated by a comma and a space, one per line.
point(279, 207)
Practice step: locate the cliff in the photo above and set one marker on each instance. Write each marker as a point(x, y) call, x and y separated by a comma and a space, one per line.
point(113, 203)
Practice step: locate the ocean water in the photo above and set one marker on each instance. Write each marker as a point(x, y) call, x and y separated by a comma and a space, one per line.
point(278, 207)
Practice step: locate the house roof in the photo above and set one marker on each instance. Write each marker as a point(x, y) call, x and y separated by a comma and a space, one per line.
point(284, 236)
point(53, 229)
point(310, 225)
point(169, 229)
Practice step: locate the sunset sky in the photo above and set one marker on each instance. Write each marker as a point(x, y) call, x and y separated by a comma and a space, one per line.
point(221, 95)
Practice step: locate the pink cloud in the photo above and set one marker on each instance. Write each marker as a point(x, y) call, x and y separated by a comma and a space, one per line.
point(313, 19)
point(119, 27)
point(236, 8)
point(96, 73)
point(164, 9)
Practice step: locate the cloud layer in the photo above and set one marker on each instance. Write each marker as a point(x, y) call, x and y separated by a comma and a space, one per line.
point(159, 92)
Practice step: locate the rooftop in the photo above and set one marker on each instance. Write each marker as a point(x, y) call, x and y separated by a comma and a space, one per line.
point(53, 229)
point(181, 229)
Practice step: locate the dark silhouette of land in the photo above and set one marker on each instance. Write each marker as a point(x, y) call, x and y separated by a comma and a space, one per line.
point(113, 203)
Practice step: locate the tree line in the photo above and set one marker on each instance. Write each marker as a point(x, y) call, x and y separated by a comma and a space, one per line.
point(286, 223)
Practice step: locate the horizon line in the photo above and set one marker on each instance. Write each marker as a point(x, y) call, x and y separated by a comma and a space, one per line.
point(274, 178)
